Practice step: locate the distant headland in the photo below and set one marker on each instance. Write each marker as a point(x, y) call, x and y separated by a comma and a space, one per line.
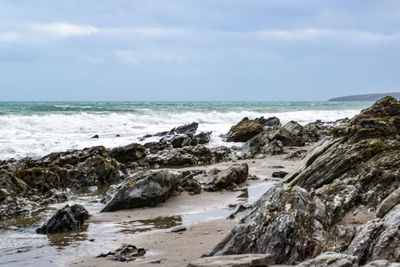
point(367, 97)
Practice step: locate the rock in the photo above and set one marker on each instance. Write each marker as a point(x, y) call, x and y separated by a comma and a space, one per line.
point(381, 263)
point(201, 138)
point(65, 220)
point(292, 134)
point(143, 189)
point(215, 180)
point(244, 130)
point(331, 259)
point(188, 184)
point(179, 141)
point(295, 155)
point(125, 253)
point(246, 260)
point(329, 202)
point(270, 122)
point(178, 229)
point(96, 136)
point(388, 203)
point(185, 129)
point(279, 174)
point(128, 153)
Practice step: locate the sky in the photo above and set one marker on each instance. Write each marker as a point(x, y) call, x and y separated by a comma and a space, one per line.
point(195, 50)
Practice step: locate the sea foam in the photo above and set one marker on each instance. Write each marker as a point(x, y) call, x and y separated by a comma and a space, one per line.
point(38, 134)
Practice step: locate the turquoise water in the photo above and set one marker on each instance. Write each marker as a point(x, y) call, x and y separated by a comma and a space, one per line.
point(29, 108)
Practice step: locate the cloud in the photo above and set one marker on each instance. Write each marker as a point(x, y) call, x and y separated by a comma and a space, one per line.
point(9, 37)
point(126, 56)
point(63, 30)
point(153, 55)
point(326, 34)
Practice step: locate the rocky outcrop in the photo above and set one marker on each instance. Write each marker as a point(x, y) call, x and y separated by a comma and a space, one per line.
point(343, 199)
point(143, 189)
point(65, 220)
point(215, 179)
point(244, 130)
point(269, 122)
point(128, 153)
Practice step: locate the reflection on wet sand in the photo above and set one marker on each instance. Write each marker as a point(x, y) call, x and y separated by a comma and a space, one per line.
point(63, 240)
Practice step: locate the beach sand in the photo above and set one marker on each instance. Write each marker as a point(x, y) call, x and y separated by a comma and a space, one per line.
point(204, 215)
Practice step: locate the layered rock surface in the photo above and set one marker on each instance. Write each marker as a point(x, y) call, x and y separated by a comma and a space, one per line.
point(343, 199)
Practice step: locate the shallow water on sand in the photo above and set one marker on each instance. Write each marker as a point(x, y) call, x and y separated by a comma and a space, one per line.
point(20, 245)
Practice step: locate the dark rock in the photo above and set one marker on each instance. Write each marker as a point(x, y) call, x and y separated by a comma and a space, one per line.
point(143, 189)
point(125, 253)
point(270, 122)
point(179, 228)
point(185, 129)
point(179, 141)
point(96, 136)
point(65, 220)
point(295, 155)
point(329, 203)
point(244, 130)
point(201, 138)
point(129, 153)
point(216, 180)
point(331, 259)
point(279, 174)
point(292, 134)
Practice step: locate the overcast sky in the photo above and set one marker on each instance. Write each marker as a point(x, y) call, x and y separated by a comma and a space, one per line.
point(197, 49)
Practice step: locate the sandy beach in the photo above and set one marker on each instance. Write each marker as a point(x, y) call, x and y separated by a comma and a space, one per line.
point(204, 230)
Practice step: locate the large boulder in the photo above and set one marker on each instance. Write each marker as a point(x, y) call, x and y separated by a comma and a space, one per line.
point(129, 153)
point(343, 198)
point(292, 134)
point(244, 130)
point(144, 189)
point(65, 220)
point(215, 180)
point(269, 122)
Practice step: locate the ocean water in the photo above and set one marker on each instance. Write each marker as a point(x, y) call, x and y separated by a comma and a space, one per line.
point(38, 128)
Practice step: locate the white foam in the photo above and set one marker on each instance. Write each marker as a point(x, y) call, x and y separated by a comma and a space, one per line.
point(38, 135)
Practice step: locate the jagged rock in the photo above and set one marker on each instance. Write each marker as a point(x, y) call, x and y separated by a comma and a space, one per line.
point(154, 147)
point(347, 176)
point(381, 263)
point(188, 184)
point(201, 138)
point(244, 130)
point(388, 203)
point(129, 153)
point(246, 260)
point(279, 174)
point(179, 141)
point(295, 155)
point(270, 122)
point(125, 253)
point(185, 129)
point(143, 189)
point(292, 134)
point(331, 259)
point(215, 180)
point(65, 220)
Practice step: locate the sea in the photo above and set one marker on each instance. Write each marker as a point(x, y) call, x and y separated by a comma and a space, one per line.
point(36, 129)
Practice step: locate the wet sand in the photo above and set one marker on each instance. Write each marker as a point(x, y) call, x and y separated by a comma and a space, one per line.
point(204, 215)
